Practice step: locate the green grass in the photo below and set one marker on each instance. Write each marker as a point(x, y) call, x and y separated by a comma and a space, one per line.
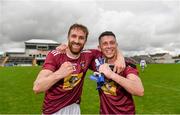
point(16, 94)
point(161, 83)
point(162, 89)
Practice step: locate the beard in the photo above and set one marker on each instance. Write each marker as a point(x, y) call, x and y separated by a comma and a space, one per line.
point(75, 51)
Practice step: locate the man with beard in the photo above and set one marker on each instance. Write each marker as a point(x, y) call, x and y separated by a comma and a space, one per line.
point(62, 75)
point(116, 93)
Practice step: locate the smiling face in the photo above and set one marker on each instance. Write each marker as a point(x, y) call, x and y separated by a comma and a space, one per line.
point(108, 46)
point(76, 40)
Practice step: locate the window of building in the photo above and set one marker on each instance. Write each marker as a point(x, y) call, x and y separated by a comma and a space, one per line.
point(30, 46)
point(52, 47)
point(42, 47)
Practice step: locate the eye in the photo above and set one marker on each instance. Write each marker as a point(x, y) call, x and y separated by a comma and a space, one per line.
point(73, 36)
point(105, 44)
point(81, 37)
point(112, 42)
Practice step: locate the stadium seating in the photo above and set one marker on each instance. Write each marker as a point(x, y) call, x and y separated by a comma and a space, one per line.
point(144, 57)
point(19, 61)
point(3, 60)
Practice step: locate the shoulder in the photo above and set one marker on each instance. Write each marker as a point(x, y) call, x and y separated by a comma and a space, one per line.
point(130, 64)
point(54, 54)
point(91, 51)
point(86, 51)
point(130, 68)
point(52, 60)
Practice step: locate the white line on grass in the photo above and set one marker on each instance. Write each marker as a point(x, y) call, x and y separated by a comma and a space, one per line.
point(166, 87)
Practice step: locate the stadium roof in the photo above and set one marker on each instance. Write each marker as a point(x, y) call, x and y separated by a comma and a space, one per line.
point(16, 50)
point(158, 54)
point(41, 41)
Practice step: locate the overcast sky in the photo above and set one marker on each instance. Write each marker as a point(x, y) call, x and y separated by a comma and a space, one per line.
point(141, 26)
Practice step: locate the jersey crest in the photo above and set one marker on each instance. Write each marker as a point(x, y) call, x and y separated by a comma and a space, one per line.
point(82, 64)
point(109, 88)
point(71, 81)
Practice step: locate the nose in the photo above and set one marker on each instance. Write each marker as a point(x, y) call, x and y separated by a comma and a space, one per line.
point(109, 45)
point(76, 40)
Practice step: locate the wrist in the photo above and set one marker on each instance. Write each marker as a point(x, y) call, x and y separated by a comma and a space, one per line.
point(58, 75)
point(111, 75)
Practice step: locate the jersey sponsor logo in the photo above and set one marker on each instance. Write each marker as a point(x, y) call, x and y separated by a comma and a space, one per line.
point(55, 52)
point(71, 81)
point(109, 88)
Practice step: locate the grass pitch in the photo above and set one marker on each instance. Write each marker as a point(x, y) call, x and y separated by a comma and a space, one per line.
point(161, 83)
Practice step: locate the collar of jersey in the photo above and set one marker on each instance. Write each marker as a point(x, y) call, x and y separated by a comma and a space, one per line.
point(72, 57)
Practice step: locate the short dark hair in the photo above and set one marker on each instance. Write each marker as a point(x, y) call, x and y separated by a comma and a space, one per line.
point(79, 26)
point(106, 33)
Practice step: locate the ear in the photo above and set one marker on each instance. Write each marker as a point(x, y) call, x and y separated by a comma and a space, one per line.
point(99, 48)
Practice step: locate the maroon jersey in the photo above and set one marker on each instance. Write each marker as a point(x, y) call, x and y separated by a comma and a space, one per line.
point(114, 99)
point(68, 90)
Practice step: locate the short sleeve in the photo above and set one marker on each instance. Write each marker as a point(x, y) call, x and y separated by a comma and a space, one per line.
point(50, 62)
point(130, 70)
point(95, 54)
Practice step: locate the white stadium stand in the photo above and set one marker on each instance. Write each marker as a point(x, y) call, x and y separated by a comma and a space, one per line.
point(34, 53)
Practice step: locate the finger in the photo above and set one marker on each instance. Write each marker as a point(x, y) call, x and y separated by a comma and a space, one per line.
point(70, 68)
point(119, 69)
point(65, 63)
point(66, 50)
point(65, 46)
point(69, 63)
point(123, 67)
point(57, 48)
point(63, 52)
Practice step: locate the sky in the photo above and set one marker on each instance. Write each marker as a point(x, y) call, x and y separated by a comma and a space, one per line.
point(141, 26)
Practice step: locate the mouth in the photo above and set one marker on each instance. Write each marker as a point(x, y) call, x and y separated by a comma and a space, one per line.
point(109, 51)
point(76, 45)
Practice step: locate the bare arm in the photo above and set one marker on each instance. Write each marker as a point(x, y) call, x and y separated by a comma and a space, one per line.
point(47, 78)
point(131, 83)
point(119, 64)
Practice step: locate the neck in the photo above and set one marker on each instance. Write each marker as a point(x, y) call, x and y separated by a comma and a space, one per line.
point(71, 55)
point(112, 60)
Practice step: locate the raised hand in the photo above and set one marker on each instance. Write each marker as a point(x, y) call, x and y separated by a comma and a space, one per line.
point(106, 70)
point(65, 70)
point(62, 48)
